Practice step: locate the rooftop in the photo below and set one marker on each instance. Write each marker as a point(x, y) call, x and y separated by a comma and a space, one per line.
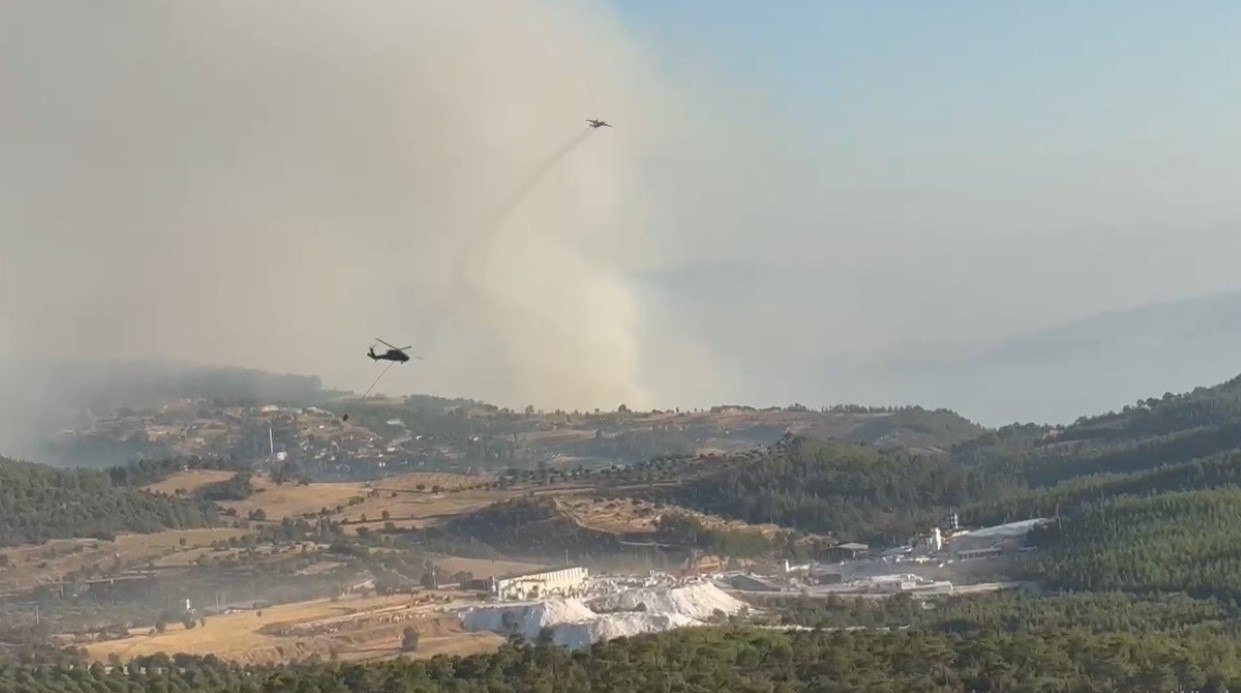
point(537, 573)
point(1011, 529)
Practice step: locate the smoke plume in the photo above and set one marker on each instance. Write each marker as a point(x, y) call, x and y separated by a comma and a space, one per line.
point(273, 184)
point(478, 246)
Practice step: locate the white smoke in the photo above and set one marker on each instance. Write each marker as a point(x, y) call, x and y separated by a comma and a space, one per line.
point(271, 184)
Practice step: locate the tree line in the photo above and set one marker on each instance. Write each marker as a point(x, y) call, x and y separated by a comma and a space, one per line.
point(720, 659)
point(39, 503)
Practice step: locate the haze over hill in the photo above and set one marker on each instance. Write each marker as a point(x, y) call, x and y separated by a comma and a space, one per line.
point(216, 196)
point(42, 396)
point(1055, 374)
point(1094, 364)
point(1098, 363)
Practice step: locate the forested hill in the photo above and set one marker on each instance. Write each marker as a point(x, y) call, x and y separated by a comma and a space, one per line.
point(1169, 542)
point(1173, 443)
point(1170, 443)
point(1204, 406)
point(1165, 418)
point(852, 491)
point(929, 432)
point(38, 503)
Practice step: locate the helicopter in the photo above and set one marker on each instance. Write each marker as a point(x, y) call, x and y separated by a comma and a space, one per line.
point(394, 353)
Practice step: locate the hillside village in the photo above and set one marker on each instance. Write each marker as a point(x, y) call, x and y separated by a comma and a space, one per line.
point(348, 439)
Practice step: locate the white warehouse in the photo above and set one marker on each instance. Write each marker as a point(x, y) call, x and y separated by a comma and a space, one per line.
point(565, 582)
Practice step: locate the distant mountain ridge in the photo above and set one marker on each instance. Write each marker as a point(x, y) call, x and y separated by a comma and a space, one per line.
point(1093, 364)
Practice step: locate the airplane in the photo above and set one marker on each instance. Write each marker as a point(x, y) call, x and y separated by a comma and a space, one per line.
point(598, 123)
point(393, 353)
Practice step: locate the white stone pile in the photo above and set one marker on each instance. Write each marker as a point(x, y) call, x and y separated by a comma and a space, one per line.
point(625, 613)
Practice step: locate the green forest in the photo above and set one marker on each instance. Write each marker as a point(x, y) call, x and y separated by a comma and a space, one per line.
point(1177, 443)
point(1173, 542)
point(847, 490)
point(722, 659)
point(38, 503)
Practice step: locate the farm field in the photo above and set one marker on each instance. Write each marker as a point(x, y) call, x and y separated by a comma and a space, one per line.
point(372, 505)
point(189, 481)
point(279, 501)
point(351, 629)
point(429, 480)
point(30, 566)
point(416, 509)
point(399, 496)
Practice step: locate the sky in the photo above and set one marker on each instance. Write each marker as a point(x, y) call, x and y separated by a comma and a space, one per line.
point(948, 172)
point(789, 190)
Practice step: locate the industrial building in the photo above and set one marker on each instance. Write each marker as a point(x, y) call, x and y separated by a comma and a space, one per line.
point(848, 552)
point(751, 583)
point(565, 582)
point(992, 541)
point(813, 574)
point(896, 584)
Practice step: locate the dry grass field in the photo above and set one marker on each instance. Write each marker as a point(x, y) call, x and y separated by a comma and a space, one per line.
point(351, 629)
point(398, 497)
point(189, 481)
point(429, 480)
point(292, 500)
point(417, 509)
point(617, 516)
point(30, 566)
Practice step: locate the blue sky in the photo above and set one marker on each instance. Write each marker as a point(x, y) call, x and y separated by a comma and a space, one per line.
point(909, 82)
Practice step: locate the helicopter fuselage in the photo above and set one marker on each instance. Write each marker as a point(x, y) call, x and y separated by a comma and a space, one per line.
point(389, 355)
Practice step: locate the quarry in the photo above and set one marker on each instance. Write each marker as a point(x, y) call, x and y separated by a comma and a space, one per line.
point(363, 627)
point(608, 609)
point(255, 595)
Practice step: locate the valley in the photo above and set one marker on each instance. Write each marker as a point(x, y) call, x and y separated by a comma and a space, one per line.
point(838, 518)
